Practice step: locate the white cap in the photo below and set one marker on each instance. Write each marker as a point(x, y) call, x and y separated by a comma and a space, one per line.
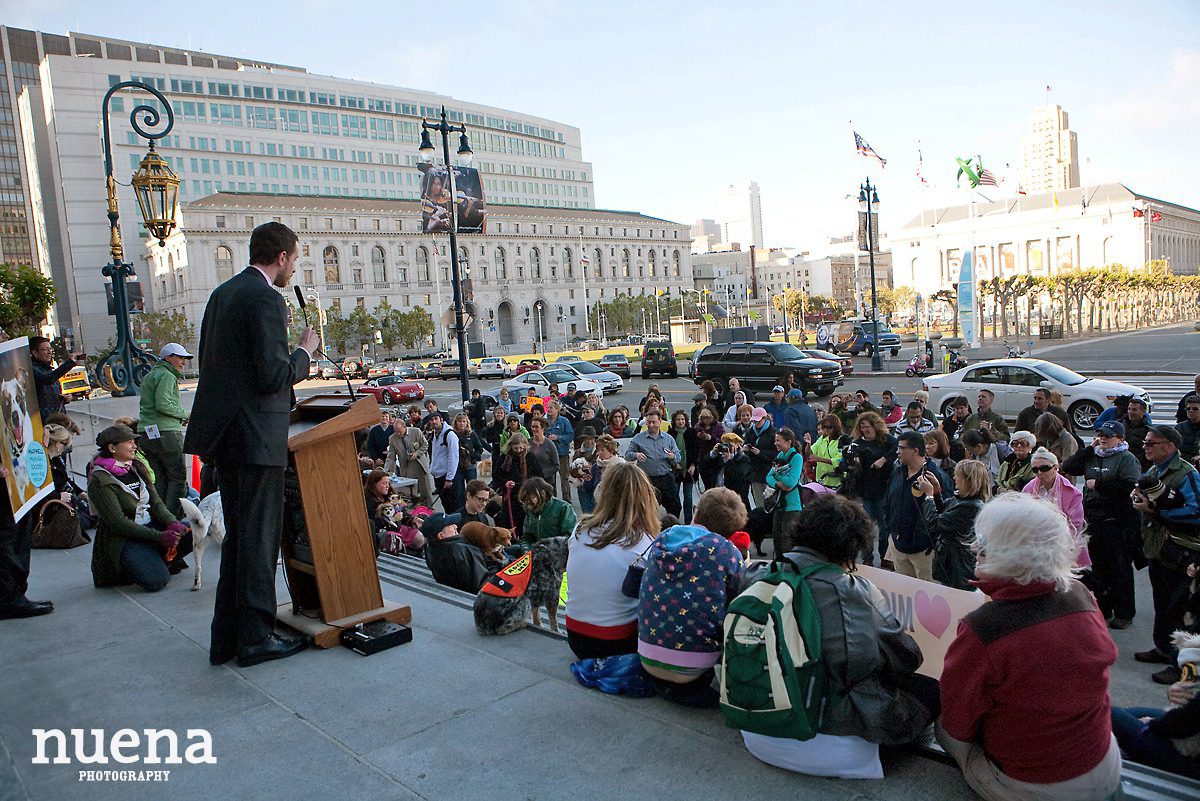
point(173, 349)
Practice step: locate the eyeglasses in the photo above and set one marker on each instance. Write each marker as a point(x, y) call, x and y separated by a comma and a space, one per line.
point(483, 498)
point(1151, 443)
point(1045, 468)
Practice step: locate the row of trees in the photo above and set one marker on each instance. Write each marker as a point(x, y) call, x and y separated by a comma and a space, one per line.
point(348, 333)
point(1100, 298)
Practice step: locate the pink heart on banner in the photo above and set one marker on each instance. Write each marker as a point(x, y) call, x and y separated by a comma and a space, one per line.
point(933, 613)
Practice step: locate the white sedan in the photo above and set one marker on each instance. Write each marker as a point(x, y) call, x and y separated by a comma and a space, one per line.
point(1015, 380)
point(542, 379)
point(609, 382)
point(494, 367)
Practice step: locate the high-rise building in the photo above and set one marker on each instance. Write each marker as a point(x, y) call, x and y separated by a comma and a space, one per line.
point(741, 220)
point(240, 126)
point(1051, 152)
point(706, 236)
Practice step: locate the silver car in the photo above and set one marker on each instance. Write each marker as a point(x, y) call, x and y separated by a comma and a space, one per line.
point(1013, 381)
point(609, 382)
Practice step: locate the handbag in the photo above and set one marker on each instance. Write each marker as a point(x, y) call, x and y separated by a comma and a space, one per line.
point(631, 585)
point(58, 526)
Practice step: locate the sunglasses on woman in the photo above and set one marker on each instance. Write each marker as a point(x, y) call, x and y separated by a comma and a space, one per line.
point(1045, 468)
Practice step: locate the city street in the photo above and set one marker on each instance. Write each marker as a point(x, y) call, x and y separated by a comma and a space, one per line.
point(1174, 349)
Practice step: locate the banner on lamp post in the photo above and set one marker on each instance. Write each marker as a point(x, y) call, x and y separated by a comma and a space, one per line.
point(966, 298)
point(862, 232)
point(436, 205)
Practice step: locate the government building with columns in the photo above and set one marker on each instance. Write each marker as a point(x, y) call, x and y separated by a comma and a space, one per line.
point(361, 251)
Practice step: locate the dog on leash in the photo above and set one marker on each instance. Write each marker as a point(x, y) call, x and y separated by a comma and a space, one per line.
point(526, 585)
point(15, 408)
point(207, 521)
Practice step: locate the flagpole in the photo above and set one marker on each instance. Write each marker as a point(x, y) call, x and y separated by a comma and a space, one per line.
point(587, 321)
point(437, 287)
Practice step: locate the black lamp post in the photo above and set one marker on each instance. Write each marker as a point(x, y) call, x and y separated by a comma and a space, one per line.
point(157, 190)
point(868, 201)
point(464, 151)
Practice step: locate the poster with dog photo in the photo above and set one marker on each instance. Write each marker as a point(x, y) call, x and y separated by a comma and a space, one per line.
point(24, 458)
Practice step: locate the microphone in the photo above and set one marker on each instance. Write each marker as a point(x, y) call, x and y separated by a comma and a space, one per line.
point(304, 309)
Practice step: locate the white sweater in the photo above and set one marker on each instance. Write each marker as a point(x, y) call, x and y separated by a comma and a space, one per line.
point(595, 605)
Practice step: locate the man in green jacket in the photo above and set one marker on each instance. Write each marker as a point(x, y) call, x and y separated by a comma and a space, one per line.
point(161, 422)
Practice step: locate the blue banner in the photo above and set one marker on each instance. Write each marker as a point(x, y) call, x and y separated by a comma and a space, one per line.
point(966, 298)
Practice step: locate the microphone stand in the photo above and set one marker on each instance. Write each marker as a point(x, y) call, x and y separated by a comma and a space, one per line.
point(304, 311)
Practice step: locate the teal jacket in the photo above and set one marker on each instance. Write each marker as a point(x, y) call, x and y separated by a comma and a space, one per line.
point(786, 478)
point(160, 399)
point(557, 519)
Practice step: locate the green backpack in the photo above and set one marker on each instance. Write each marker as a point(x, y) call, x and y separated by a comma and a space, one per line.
point(772, 678)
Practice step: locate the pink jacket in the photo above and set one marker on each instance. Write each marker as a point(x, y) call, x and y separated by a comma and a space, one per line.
point(1070, 500)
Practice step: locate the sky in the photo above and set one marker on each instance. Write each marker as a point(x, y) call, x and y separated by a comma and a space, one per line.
point(678, 100)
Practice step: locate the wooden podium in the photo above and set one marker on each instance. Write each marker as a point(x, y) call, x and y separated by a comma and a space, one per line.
point(340, 588)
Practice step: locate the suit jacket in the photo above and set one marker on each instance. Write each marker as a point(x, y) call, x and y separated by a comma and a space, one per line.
point(401, 448)
point(244, 397)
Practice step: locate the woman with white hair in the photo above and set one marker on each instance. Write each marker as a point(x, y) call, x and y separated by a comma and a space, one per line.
point(1017, 468)
point(1017, 726)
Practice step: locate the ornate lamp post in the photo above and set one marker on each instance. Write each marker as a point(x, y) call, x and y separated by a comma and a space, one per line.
point(464, 151)
point(157, 190)
point(868, 201)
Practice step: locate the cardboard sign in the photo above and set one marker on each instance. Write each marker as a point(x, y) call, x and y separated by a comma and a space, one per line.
point(24, 457)
point(928, 612)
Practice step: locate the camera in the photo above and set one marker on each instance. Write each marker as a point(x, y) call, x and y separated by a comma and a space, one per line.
point(723, 448)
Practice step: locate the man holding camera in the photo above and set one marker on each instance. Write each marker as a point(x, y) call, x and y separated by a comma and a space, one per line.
point(46, 375)
point(911, 549)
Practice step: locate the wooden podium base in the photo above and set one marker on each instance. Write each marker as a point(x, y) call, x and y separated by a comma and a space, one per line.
point(327, 635)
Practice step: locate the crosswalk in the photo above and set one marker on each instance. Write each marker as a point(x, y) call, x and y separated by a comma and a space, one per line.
point(1165, 392)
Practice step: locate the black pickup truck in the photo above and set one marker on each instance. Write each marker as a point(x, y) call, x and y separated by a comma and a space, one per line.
point(760, 366)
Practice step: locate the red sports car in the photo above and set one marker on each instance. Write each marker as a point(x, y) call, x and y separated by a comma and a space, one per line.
point(392, 389)
point(525, 365)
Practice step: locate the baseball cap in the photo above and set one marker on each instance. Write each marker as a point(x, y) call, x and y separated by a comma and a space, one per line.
point(699, 396)
point(1113, 428)
point(112, 435)
point(174, 349)
point(777, 388)
point(1168, 433)
point(436, 523)
point(795, 393)
point(758, 414)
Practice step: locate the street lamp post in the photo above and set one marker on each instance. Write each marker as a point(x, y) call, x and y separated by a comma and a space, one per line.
point(464, 151)
point(315, 297)
point(868, 201)
point(156, 188)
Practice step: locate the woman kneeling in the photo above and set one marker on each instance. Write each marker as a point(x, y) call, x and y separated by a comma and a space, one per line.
point(1017, 727)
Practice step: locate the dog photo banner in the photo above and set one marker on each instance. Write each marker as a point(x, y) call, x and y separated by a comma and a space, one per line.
point(25, 459)
point(928, 612)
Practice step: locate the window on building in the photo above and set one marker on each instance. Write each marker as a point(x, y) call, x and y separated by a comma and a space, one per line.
point(625, 271)
point(224, 264)
point(358, 276)
point(423, 264)
point(678, 261)
point(535, 263)
point(653, 265)
point(220, 220)
point(308, 277)
point(333, 270)
point(568, 264)
point(378, 264)
point(501, 265)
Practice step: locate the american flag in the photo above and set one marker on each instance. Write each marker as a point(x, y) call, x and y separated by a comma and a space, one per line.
point(987, 178)
point(866, 150)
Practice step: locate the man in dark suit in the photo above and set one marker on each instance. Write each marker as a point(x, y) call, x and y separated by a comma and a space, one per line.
point(240, 421)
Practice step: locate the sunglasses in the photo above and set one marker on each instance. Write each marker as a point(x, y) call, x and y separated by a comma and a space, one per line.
point(1045, 468)
point(1151, 443)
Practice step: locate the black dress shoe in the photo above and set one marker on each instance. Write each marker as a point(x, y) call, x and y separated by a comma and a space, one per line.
point(1168, 675)
point(25, 608)
point(1153, 656)
point(270, 647)
point(176, 567)
point(1119, 623)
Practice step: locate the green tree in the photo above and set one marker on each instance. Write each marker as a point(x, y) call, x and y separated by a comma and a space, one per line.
point(950, 297)
point(906, 299)
point(413, 327)
point(161, 327)
point(385, 320)
point(361, 327)
point(25, 297)
point(337, 330)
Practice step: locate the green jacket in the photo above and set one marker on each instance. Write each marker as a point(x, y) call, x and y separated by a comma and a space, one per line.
point(557, 519)
point(160, 399)
point(115, 508)
point(1177, 524)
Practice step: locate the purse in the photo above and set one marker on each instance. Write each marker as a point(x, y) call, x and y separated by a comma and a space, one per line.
point(58, 526)
point(631, 585)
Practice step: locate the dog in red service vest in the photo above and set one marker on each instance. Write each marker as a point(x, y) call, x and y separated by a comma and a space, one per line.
point(524, 586)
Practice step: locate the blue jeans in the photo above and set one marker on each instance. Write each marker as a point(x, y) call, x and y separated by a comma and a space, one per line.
point(874, 508)
point(143, 564)
point(587, 498)
point(688, 487)
point(1147, 748)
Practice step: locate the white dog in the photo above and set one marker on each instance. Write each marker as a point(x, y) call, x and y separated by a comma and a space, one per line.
point(207, 520)
point(15, 408)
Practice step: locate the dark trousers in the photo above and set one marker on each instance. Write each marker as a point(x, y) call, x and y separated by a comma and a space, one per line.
point(1146, 747)
point(782, 525)
point(453, 496)
point(15, 541)
point(668, 493)
point(1169, 588)
point(874, 508)
point(142, 563)
point(695, 693)
point(1112, 568)
point(585, 647)
point(165, 456)
point(252, 496)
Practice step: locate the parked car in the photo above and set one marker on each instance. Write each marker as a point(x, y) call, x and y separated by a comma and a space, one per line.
point(379, 369)
point(521, 397)
point(1015, 380)
point(659, 357)
point(569, 358)
point(540, 380)
point(616, 363)
point(760, 366)
point(525, 365)
point(324, 369)
point(855, 336)
point(406, 371)
point(433, 370)
point(357, 366)
point(449, 368)
point(495, 367)
point(392, 389)
point(846, 363)
point(75, 385)
point(608, 381)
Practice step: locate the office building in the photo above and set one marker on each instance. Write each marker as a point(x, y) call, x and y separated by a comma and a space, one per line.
point(1051, 152)
point(741, 221)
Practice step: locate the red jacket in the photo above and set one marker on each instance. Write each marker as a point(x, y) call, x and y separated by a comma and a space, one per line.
point(1027, 678)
